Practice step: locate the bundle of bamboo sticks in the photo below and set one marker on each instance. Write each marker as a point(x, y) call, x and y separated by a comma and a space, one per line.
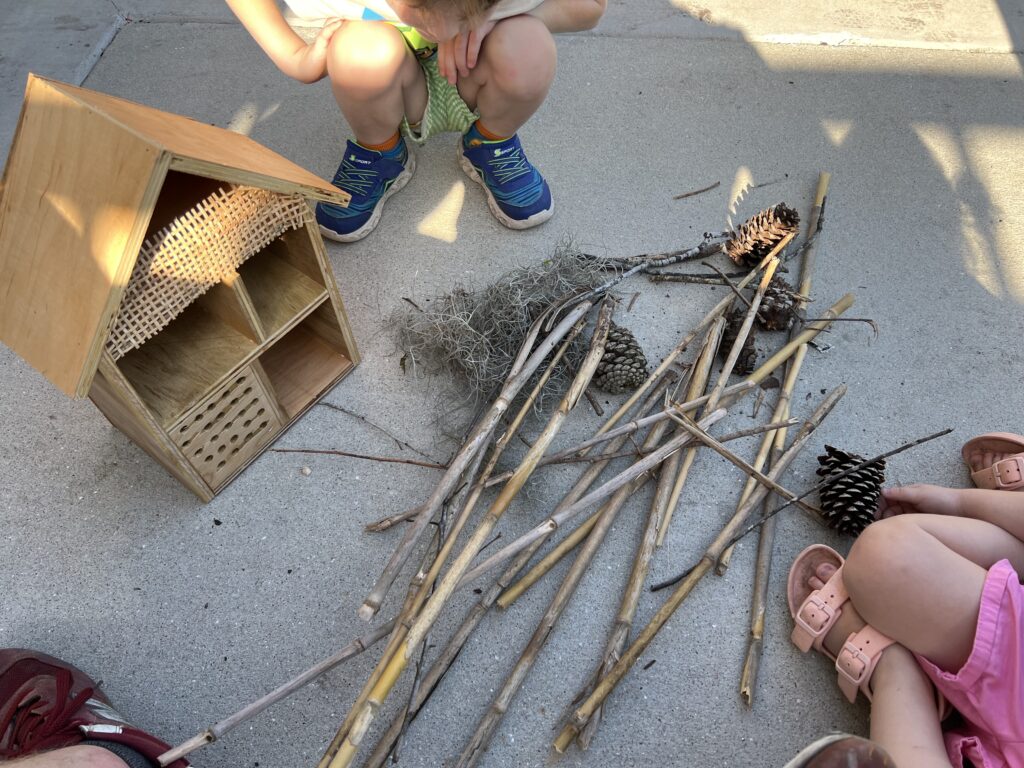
point(673, 412)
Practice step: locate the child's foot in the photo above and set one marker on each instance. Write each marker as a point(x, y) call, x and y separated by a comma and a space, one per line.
point(371, 177)
point(849, 620)
point(996, 460)
point(516, 193)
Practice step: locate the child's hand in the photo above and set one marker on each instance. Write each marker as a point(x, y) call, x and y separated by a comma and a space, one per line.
point(309, 64)
point(919, 499)
point(457, 56)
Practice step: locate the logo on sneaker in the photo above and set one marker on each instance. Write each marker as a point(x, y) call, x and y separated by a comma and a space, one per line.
point(500, 152)
point(355, 159)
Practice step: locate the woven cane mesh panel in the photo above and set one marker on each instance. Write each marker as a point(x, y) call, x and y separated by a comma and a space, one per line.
point(196, 251)
point(232, 427)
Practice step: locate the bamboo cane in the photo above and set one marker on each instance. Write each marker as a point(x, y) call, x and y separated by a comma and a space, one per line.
point(481, 738)
point(465, 502)
point(393, 668)
point(766, 537)
point(524, 367)
point(671, 468)
point(221, 727)
point(607, 684)
point(808, 259)
point(573, 540)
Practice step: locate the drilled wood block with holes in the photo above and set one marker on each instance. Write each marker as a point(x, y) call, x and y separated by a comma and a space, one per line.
point(170, 271)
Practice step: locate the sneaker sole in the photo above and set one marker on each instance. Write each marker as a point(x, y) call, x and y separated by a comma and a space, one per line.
point(397, 186)
point(533, 221)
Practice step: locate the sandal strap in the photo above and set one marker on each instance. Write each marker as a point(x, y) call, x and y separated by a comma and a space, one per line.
point(1005, 475)
point(857, 660)
point(818, 613)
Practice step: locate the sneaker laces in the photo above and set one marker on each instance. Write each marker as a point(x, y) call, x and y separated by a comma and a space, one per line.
point(509, 166)
point(355, 179)
point(26, 726)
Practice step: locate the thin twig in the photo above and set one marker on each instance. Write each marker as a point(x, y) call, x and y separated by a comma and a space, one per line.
point(593, 403)
point(727, 282)
point(632, 301)
point(401, 443)
point(348, 454)
point(698, 191)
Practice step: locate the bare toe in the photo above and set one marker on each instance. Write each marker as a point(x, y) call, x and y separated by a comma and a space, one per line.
point(821, 575)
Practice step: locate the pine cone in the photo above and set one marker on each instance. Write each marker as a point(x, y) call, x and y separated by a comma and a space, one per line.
point(850, 503)
point(747, 360)
point(623, 367)
point(776, 312)
point(758, 235)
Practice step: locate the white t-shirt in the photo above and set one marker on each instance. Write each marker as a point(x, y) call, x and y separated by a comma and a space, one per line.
point(379, 10)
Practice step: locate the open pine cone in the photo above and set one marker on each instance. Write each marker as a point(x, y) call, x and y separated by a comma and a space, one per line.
point(623, 367)
point(777, 310)
point(850, 502)
point(756, 237)
point(747, 360)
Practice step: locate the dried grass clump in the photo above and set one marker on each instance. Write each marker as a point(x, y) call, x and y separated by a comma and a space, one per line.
point(476, 335)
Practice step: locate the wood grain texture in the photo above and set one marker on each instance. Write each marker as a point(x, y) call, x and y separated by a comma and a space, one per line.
point(77, 194)
point(114, 397)
point(316, 242)
point(278, 290)
point(206, 150)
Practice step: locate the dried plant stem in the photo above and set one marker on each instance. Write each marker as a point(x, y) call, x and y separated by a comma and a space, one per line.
point(393, 668)
point(481, 738)
point(672, 466)
point(766, 537)
point(808, 260)
point(607, 684)
point(365, 456)
point(392, 520)
point(685, 277)
point(220, 728)
point(522, 370)
point(627, 476)
point(570, 542)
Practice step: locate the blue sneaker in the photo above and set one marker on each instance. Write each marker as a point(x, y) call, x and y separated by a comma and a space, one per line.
point(371, 177)
point(517, 194)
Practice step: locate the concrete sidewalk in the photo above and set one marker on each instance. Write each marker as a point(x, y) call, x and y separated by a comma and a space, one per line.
point(189, 611)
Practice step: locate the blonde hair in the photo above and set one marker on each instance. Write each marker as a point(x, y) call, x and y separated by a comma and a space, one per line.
point(466, 10)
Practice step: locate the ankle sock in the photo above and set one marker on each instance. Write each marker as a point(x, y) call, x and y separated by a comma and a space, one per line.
point(132, 758)
point(480, 133)
point(385, 147)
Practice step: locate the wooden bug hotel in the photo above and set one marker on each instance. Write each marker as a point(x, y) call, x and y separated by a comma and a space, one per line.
point(172, 272)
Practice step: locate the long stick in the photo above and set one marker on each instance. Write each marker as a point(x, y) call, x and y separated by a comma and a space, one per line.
point(607, 684)
point(481, 738)
point(221, 727)
point(579, 534)
point(396, 665)
point(766, 537)
point(671, 468)
point(477, 440)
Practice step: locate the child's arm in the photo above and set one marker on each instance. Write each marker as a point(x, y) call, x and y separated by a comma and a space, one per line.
point(306, 63)
point(570, 15)
point(1002, 508)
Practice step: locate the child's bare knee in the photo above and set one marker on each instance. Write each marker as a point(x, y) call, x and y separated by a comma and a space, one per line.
point(878, 555)
point(365, 52)
point(504, 50)
point(88, 756)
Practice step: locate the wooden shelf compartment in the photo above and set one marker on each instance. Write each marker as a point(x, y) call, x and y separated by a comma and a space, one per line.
point(283, 281)
point(180, 193)
point(179, 366)
point(307, 361)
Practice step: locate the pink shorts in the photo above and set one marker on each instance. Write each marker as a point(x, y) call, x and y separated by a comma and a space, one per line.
point(989, 690)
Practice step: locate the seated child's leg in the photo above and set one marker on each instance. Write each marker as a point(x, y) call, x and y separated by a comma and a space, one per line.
point(513, 75)
point(376, 80)
point(903, 716)
point(70, 757)
point(918, 579)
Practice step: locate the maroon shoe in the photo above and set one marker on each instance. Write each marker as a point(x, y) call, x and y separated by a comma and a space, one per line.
point(841, 750)
point(47, 704)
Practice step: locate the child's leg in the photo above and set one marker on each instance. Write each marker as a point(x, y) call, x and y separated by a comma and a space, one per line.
point(513, 74)
point(376, 79)
point(918, 579)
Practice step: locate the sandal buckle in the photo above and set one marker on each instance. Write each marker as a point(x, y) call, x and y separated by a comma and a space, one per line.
point(1009, 473)
point(848, 657)
point(827, 610)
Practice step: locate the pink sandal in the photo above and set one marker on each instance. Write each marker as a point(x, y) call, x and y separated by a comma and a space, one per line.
point(815, 612)
point(1005, 475)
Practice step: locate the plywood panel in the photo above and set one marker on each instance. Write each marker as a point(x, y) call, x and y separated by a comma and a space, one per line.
point(210, 151)
point(76, 195)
